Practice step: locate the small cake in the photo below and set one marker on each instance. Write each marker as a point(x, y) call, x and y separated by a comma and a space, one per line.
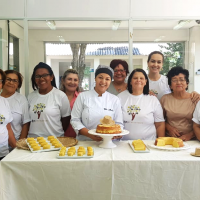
point(108, 126)
point(139, 145)
point(30, 139)
point(47, 146)
point(62, 153)
point(57, 145)
point(80, 153)
point(32, 142)
point(50, 137)
point(175, 142)
point(90, 153)
point(36, 148)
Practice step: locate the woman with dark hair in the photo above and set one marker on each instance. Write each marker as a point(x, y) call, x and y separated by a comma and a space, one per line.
point(93, 105)
point(120, 68)
point(177, 106)
point(18, 104)
point(69, 85)
point(49, 107)
point(158, 84)
point(6, 133)
point(142, 113)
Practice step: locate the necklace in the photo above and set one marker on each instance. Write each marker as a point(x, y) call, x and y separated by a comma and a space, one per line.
point(121, 88)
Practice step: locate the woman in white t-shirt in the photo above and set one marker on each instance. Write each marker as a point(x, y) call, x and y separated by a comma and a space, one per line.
point(49, 107)
point(158, 84)
point(18, 104)
point(6, 133)
point(142, 113)
point(93, 105)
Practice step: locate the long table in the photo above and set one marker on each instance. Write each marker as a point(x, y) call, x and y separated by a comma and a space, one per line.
point(117, 174)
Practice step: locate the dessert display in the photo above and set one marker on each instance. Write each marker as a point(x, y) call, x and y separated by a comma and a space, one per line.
point(139, 145)
point(76, 152)
point(175, 142)
point(108, 126)
point(41, 144)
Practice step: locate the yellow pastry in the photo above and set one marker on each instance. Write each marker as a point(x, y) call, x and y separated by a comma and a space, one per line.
point(70, 153)
point(89, 148)
point(47, 146)
point(139, 145)
point(57, 145)
point(80, 153)
point(30, 139)
point(62, 154)
point(32, 142)
point(36, 148)
point(34, 145)
point(90, 153)
point(54, 142)
point(50, 137)
point(40, 138)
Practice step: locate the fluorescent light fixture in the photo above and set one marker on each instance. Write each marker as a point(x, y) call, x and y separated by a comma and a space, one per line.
point(115, 25)
point(181, 24)
point(159, 39)
point(51, 25)
point(60, 37)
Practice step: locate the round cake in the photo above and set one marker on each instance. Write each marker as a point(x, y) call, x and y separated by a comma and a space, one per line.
point(175, 142)
point(108, 126)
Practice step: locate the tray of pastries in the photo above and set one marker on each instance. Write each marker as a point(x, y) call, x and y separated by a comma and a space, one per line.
point(76, 152)
point(41, 144)
point(139, 146)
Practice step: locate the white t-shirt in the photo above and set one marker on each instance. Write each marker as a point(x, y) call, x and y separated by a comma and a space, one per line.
point(160, 87)
point(46, 112)
point(139, 114)
point(19, 109)
point(89, 108)
point(5, 118)
point(196, 114)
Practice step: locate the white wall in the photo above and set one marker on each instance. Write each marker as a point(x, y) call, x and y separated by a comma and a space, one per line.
point(194, 59)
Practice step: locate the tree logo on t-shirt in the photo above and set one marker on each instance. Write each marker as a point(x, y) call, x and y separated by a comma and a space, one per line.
point(39, 108)
point(154, 92)
point(133, 110)
point(2, 119)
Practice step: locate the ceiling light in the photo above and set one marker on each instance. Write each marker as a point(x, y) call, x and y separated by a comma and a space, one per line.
point(159, 38)
point(51, 25)
point(60, 37)
point(115, 25)
point(181, 24)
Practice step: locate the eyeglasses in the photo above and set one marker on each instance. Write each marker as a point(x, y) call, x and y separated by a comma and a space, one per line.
point(119, 70)
point(1, 80)
point(176, 80)
point(41, 76)
point(15, 81)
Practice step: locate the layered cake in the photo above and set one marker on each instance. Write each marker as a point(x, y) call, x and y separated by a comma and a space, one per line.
point(175, 142)
point(108, 126)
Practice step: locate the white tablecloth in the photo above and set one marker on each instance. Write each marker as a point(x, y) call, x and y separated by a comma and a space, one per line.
point(117, 174)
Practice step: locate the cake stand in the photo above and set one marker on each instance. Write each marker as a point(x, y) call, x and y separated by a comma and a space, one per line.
point(107, 138)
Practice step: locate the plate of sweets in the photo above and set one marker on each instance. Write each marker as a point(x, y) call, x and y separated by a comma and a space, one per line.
point(76, 152)
point(169, 144)
point(139, 146)
point(41, 144)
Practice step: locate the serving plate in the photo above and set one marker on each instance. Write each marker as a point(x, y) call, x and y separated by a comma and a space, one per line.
point(136, 151)
point(170, 147)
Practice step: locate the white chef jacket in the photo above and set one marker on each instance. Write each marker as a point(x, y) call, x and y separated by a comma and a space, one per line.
point(89, 108)
point(160, 87)
point(46, 112)
point(5, 118)
point(139, 114)
point(196, 114)
point(19, 109)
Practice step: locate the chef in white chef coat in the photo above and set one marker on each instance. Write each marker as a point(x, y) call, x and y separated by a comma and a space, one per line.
point(93, 105)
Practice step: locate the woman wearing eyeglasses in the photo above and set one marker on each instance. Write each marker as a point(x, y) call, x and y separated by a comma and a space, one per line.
point(177, 106)
point(49, 107)
point(6, 133)
point(120, 68)
point(18, 104)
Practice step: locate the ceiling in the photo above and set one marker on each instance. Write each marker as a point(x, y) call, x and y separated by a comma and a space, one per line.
point(160, 24)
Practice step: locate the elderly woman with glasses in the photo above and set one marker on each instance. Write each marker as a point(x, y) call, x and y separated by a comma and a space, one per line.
point(6, 133)
point(177, 106)
point(18, 104)
point(49, 107)
point(120, 68)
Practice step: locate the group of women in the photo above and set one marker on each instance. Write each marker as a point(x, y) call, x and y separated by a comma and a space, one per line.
point(149, 106)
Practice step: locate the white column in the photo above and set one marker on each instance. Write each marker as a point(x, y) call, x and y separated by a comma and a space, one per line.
point(130, 39)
